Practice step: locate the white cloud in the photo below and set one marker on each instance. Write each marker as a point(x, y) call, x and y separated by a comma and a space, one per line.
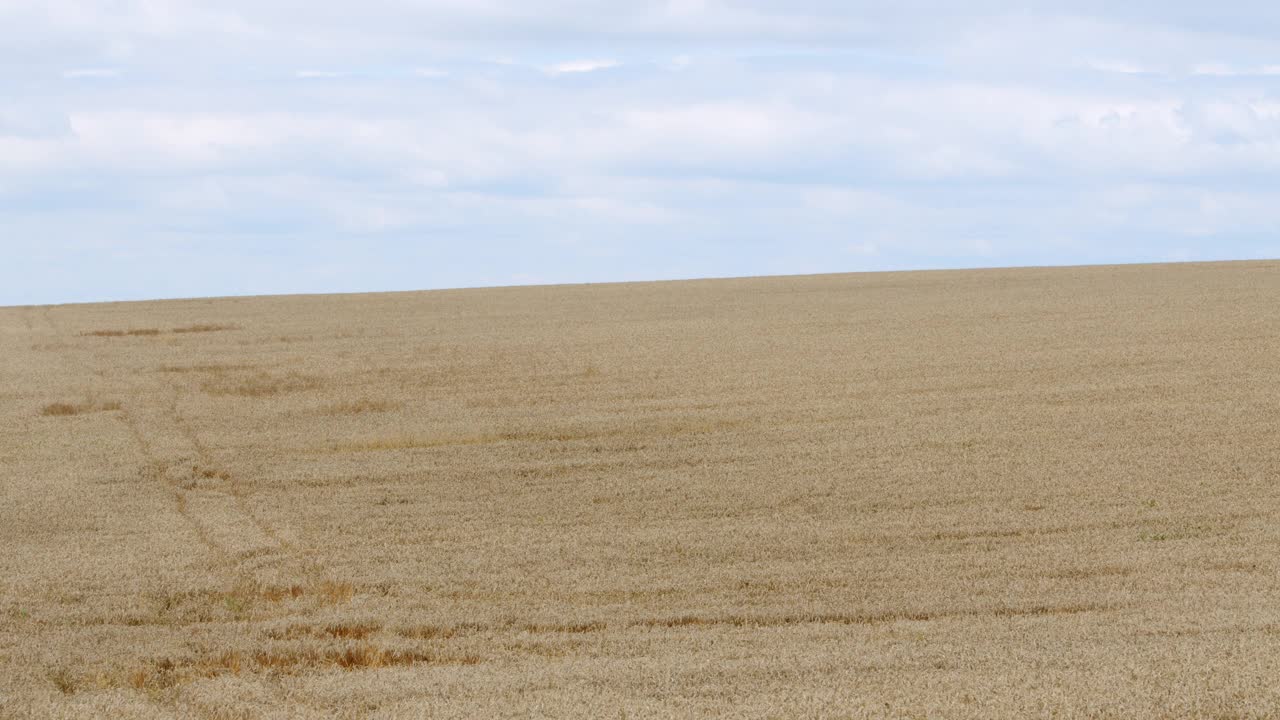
point(581, 66)
point(1218, 69)
point(1117, 66)
point(320, 74)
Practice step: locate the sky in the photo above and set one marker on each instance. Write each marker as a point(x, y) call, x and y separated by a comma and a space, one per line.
point(166, 148)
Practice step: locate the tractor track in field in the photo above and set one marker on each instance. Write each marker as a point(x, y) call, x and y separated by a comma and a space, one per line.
point(213, 501)
point(210, 499)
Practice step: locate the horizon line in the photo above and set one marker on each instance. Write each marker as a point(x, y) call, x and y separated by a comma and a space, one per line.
point(463, 288)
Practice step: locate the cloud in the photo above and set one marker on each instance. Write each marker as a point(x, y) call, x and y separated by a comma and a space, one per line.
point(581, 66)
point(1217, 69)
point(731, 138)
point(1114, 66)
point(320, 74)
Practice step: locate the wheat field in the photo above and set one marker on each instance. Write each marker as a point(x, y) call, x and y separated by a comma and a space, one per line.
point(960, 494)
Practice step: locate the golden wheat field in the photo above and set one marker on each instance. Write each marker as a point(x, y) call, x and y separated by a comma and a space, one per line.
point(962, 494)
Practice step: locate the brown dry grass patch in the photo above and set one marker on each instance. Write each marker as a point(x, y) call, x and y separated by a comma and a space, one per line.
point(63, 679)
point(352, 631)
point(277, 593)
point(204, 328)
point(65, 409)
point(130, 332)
point(442, 632)
point(154, 331)
point(165, 673)
point(247, 600)
point(360, 630)
point(870, 618)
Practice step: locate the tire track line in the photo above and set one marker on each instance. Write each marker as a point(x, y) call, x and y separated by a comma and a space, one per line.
point(166, 444)
point(208, 491)
point(154, 469)
point(216, 512)
point(234, 484)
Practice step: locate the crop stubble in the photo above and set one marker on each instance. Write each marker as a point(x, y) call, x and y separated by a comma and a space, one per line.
point(973, 494)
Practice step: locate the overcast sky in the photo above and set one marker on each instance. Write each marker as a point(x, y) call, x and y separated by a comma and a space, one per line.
point(164, 148)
